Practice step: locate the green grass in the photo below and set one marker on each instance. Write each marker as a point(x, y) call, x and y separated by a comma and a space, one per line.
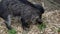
point(13, 31)
point(59, 30)
point(42, 26)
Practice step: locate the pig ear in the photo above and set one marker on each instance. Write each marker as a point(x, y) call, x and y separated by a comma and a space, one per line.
point(40, 8)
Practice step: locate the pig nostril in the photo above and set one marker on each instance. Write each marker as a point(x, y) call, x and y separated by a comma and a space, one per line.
point(39, 21)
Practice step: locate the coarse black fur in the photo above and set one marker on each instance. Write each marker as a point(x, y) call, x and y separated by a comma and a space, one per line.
point(28, 12)
point(37, 6)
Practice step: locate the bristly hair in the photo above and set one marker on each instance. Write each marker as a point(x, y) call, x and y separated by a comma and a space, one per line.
point(39, 7)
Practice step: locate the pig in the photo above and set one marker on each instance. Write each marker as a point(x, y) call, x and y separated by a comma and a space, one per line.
point(29, 13)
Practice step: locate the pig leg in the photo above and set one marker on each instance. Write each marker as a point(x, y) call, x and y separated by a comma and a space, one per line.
point(24, 24)
point(7, 19)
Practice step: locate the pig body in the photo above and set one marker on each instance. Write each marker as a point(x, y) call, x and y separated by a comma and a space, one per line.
point(28, 12)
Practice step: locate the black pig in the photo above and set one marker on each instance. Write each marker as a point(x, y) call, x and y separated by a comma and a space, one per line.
point(29, 13)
